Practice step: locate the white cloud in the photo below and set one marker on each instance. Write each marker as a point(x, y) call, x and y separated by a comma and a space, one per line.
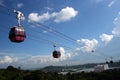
point(111, 3)
point(39, 59)
point(38, 18)
point(19, 5)
point(64, 56)
point(48, 30)
point(44, 60)
point(64, 15)
point(116, 29)
point(6, 59)
point(106, 38)
point(48, 8)
point(27, 61)
point(87, 45)
point(49, 58)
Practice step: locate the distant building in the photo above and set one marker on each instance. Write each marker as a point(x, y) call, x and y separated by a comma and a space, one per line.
point(63, 73)
point(100, 68)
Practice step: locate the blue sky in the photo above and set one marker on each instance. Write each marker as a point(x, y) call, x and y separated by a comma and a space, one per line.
point(89, 24)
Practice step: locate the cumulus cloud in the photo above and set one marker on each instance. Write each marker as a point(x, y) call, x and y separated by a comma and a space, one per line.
point(49, 58)
point(106, 38)
point(38, 18)
point(111, 3)
point(87, 45)
point(116, 29)
point(64, 15)
point(44, 60)
point(115, 32)
point(38, 60)
point(6, 59)
point(64, 56)
point(19, 5)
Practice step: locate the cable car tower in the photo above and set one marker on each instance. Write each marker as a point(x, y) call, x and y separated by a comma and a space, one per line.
point(17, 33)
point(56, 53)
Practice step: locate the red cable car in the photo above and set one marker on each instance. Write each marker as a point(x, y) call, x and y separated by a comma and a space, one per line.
point(56, 54)
point(17, 34)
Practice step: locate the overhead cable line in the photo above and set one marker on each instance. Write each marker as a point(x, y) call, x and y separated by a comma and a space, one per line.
point(33, 37)
point(61, 35)
point(53, 30)
point(45, 39)
point(57, 33)
point(4, 6)
point(48, 27)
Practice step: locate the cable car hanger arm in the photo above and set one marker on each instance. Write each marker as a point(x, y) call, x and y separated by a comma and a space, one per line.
point(19, 16)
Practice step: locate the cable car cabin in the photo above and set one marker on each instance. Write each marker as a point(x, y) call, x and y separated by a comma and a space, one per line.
point(17, 34)
point(107, 62)
point(56, 54)
point(111, 61)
